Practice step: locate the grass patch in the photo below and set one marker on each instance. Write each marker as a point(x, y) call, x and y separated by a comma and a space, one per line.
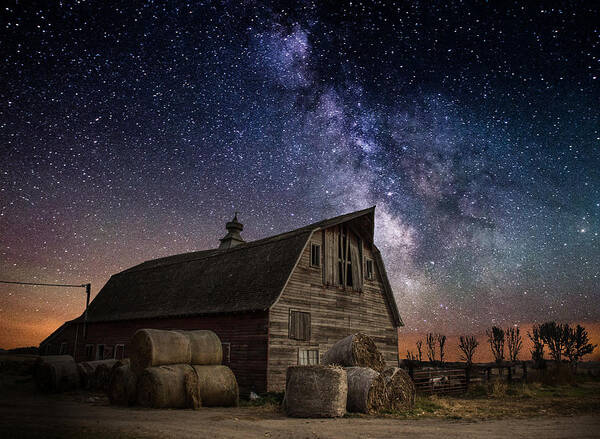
point(508, 401)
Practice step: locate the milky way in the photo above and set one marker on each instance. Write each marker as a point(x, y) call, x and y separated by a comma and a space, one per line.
point(134, 131)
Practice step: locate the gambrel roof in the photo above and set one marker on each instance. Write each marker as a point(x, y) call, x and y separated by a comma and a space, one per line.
point(248, 277)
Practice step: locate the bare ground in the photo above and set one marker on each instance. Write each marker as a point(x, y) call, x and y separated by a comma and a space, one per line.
point(25, 413)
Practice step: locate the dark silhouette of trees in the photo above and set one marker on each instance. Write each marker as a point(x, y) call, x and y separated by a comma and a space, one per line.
point(576, 343)
point(554, 336)
point(430, 342)
point(514, 342)
point(496, 340)
point(467, 344)
point(537, 353)
point(441, 339)
point(420, 350)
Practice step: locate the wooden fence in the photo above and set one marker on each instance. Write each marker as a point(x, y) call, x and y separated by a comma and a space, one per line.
point(439, 381)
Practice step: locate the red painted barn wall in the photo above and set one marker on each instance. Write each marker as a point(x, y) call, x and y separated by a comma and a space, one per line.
point(247, 334)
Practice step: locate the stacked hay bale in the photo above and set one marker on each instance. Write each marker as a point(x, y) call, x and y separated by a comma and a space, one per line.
point(355, 350)
point(56, 373)
point(315, 391)
point(370, 386)
point(174, 369)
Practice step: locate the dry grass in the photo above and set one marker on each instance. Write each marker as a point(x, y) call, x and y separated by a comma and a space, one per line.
point(500, 400)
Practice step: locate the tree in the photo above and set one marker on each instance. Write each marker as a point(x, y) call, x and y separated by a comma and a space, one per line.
point(420, 350)
point(496, 340)
point(430, 342)
point(577, 343)
point(554, 336)
point(514, 342)
point(441, 339)
point(410, 356)
point(537, 353)
point(467, 344)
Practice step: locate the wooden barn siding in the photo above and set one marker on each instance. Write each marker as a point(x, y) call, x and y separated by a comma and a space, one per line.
point(246, 332)
point(335, 313)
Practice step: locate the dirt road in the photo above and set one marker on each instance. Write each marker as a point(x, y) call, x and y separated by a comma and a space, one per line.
point(78, 416)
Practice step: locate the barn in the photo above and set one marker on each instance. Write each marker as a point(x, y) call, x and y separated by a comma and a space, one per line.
point(274, 302)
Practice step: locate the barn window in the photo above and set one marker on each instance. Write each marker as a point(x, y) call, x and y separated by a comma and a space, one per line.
point(119, 351)
point(315, 255)
point(369, 269)
point(307, 357)
point(89, 351)
point(226, 353)
point(299, 325)
point(100, 352)
point(63, 348)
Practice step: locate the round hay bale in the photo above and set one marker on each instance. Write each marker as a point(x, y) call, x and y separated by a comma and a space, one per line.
point(87, 372)
point(355, 350)
point(366, 390)
point(172, 386)
point(153, 347)
point(102, 374)
point(315, 391)
point(205, 346)
point(400, 389)
point(122, 385)
point(56, 373)
point(217, 386)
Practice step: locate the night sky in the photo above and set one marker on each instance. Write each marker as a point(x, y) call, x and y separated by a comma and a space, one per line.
point(135, 130)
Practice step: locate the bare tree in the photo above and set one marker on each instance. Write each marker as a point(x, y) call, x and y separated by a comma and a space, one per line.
point(420, 350)
point(496, 340)
point(441, 339)
point(467, 345)
point(537, 353)
point(554, 336)
point(430, 342)
point(514, 342)
point(577, 344)
point(410, 356)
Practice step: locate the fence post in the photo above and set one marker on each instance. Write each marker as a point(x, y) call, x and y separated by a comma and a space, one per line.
point(509, 373)
point(525, 371)
point(488, 373)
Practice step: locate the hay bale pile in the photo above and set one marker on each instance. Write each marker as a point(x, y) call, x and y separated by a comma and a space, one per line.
point(400, 389)
point(173, 369)
point(355, 350)
point(172, 386)
point(153, 347)
point(217, 386)
point(315, 391)
point(367, 391)
point(56, 373)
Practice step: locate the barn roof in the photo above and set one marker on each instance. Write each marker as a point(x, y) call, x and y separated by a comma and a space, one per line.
point(248, 277)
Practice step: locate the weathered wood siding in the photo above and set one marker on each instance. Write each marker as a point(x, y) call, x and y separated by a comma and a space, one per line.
point(335, 313)
point(246, 333)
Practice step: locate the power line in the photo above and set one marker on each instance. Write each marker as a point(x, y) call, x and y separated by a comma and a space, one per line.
point(43, 284)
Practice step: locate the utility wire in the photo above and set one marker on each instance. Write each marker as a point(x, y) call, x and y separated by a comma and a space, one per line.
point(42, 284)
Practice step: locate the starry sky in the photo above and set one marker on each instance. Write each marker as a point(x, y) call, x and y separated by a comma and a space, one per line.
point(131, 130)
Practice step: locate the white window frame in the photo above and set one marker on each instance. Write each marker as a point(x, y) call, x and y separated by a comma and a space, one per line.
point(304, 356)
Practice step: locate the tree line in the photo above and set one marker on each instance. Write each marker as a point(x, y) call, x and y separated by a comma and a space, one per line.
point(562, 340)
